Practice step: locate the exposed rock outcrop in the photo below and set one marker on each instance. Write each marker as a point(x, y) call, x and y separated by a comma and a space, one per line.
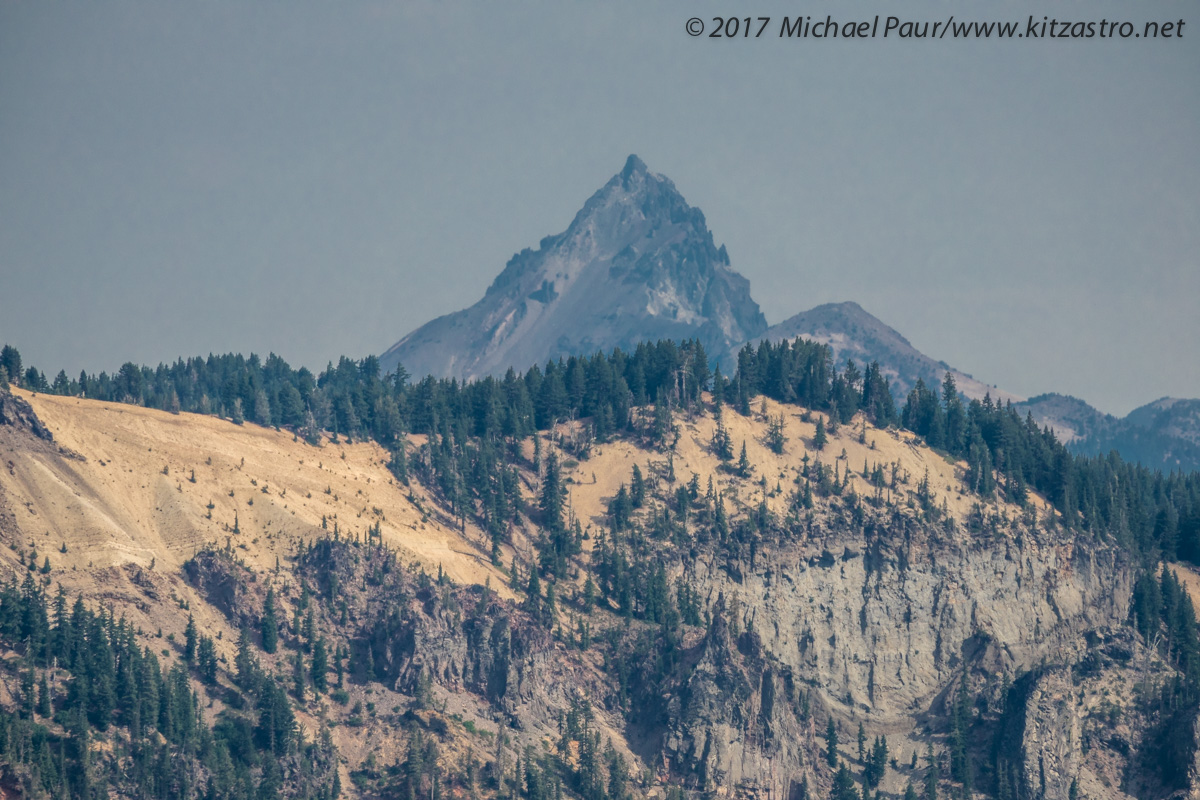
point(879, 632)
point(18, 415)
point(636, 264)
point(226, 585)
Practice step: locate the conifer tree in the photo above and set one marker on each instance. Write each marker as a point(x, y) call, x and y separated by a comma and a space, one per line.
point(550, 611)
point(722, 442)
point(10, 360)
point(207, 660)
point(876, 766)
point(589, 594)
point(189, 638)
point(960, 764)
point(843, 785)
point(320, 665)
point(931, 774)
point(245, 664)
point(28, 693)
point(551, 501)
point(398, 465)
point(743, 467)
point(43, 701)
point(637, 487)
point(775, 437)
point(533, 595)
point(299, 679)
point(269, 626)
point(831, 744)
point(262, 408)
point(310, 626)
point(819, 438)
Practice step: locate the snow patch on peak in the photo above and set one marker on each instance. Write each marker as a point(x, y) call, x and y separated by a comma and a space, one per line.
point(665, 302)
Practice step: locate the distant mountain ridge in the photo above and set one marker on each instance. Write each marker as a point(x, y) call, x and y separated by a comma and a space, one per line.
point(1071, 419)
point(637, 263)
point(852, 333)
point(1173, 416)
point(1164, 434)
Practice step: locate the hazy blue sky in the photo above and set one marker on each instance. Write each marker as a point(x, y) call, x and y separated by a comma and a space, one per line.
point(318, 179)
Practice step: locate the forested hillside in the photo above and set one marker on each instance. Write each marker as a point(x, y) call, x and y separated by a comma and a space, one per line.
point(1141, 508)
point(777, 582)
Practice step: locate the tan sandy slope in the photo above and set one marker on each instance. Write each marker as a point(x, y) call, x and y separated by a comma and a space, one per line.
point(596, 480)
point(141, 487)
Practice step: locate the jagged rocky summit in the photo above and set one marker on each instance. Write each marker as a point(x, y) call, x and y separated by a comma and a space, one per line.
point(636, 264)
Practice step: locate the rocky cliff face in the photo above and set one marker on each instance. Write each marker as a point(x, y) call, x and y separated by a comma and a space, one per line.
point(18, 417)
point(871, 623)
point(1085, 728)
point(875, 626)
point(1052, 737)
point(869, 620)
point(867, 624)
point(637, 263)
point(902, 627)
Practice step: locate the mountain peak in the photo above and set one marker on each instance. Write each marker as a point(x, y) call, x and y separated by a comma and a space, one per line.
point(649, 193)
point(633, 164)
point(854, 333)
point(637, 263)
